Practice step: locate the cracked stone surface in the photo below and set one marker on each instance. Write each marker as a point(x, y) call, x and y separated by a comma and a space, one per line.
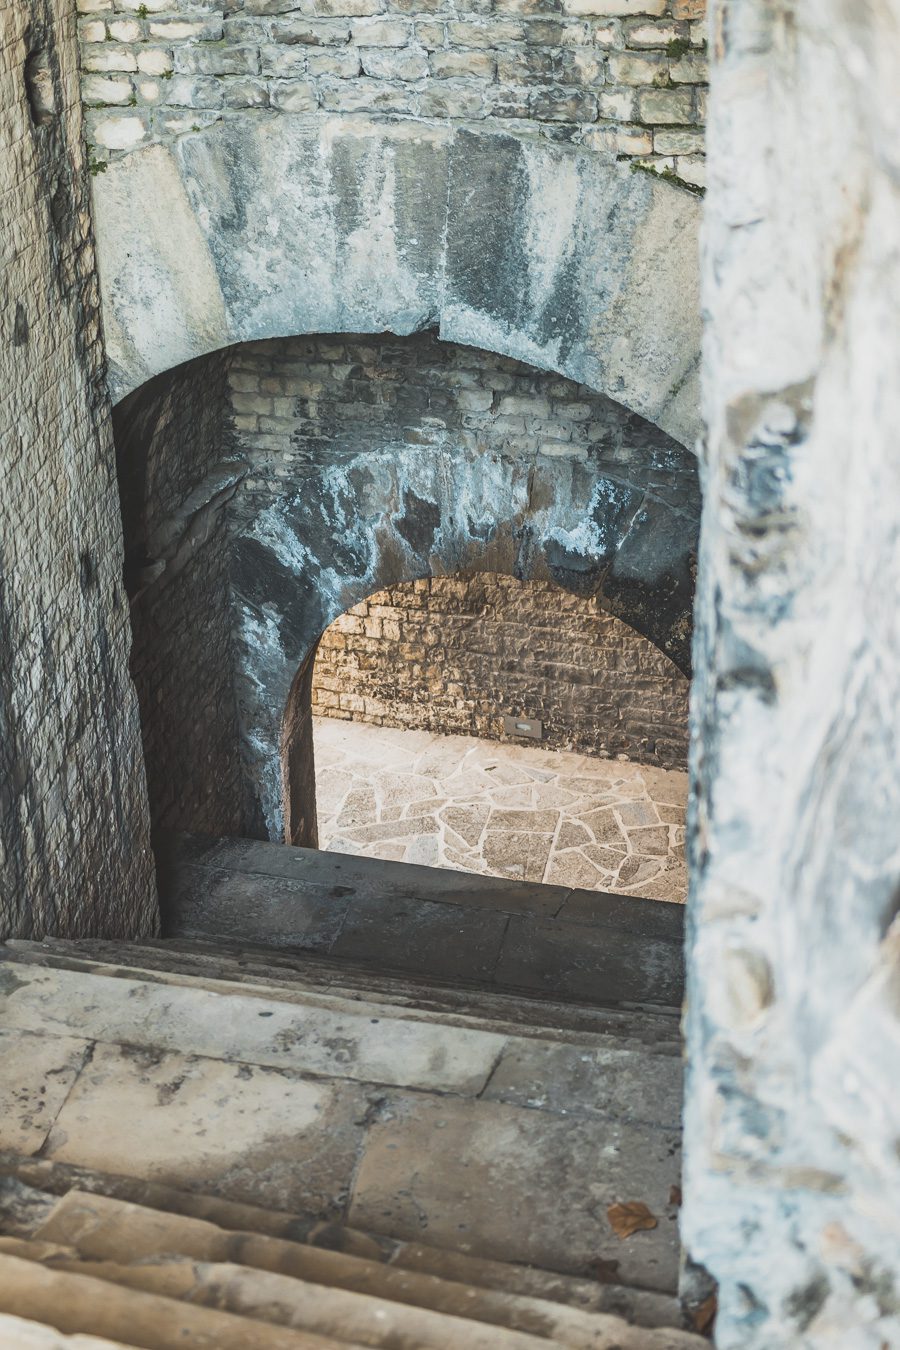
point(500, 810)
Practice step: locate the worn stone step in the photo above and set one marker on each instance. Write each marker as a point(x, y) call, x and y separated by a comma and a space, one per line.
point(302, 976)
point(392, 1048)
point(473, 1175)
point(45, 1181)
point(18, 1334)
point(354, 879)
point(280, 1300)
point(622, 951)
point(84, 1305)
point(337, 1293)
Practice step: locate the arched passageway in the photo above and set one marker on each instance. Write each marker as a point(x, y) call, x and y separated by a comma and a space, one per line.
point(270, 488)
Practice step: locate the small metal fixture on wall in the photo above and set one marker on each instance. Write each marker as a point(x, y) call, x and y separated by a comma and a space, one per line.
point(523, 726)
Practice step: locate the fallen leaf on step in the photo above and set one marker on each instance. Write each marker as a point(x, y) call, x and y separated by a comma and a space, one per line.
point(705, 1314)
point(674, 1195)
point(631, 1217)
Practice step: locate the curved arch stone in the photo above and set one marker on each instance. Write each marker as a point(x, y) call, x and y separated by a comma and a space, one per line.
point(268, 226)
point(621, 526)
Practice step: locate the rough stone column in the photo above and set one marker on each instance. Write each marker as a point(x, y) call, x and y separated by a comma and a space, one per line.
point(793, 1107)
point(74, 828)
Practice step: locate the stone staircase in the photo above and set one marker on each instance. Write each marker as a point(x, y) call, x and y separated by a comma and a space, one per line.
point(209, 1143)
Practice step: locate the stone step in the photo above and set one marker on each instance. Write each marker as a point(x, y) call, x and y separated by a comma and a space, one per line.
point(84, 1305)
point(336, 1314)
point(18, 1334)
point(162, 1082)
point(327, 1293)
point(304, 977)
point(379, 1046)
point(45, 1181)
point(604, 950)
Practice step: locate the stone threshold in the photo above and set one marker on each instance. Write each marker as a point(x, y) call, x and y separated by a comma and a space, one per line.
point(432, 923)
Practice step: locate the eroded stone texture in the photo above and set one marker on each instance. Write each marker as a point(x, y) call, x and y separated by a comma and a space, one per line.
point(793, 1186)
point(270, 226)
point(74, 846)
point(457, 654)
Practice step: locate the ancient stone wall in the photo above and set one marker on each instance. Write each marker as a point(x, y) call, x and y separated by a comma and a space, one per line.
point(454, 654)
point(792, 1185)
point(626, 78)
point(177, 473)
point(74, 829)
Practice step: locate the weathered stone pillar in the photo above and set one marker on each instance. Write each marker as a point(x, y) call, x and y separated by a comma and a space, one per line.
point(75, 854)
point(793, 1117)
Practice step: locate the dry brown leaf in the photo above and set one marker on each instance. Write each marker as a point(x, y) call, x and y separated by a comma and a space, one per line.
point(674, 1195)
point(631, 1217)
point(705, 1314)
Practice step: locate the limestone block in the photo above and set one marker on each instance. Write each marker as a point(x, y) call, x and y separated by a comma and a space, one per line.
point(120, 133)
point(176, 29)
point(678, 142)
point(295, 96)
point(475, 63)
point(154, 61)
point(125, 30)
point(311, 32)
point(623, 8)
point(99, 91)
point(639, 68)
point(381, 32)
point(666, 105)
point(394, 64)
point(449, 98)
point(109, 59)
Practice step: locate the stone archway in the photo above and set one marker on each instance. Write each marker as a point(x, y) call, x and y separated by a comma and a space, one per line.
point(267, 226)
point(268, 490)
point(613, 514)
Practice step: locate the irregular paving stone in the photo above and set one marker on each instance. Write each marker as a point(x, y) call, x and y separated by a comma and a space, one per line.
point(260, 1135)
point(36, 1073)
point(514, 853)
point(511, 1184)
point(604, 826)
point(572, 868)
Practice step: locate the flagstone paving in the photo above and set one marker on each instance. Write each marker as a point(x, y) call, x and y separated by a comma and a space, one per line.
point(501, 810)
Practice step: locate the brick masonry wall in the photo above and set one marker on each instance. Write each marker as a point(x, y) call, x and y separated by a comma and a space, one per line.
point(299, 400)
point(75, 856)
point(175, 480)
point(453, 654)
point(626, 78)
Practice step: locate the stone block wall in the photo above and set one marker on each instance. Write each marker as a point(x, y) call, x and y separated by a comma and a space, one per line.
point(626, 78)
point(75, 854)
point(792, 1180)
point(454, 654)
